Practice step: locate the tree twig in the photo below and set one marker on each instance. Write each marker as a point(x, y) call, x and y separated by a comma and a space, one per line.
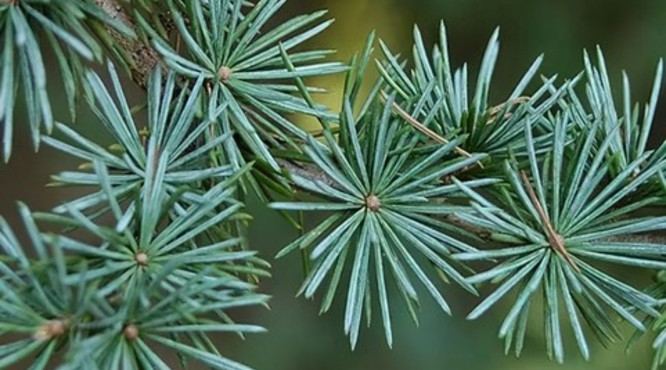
point(142, 58)
point(424, 129)
point(554, 239)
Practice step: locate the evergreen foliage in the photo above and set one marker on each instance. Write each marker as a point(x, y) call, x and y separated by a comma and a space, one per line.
point(424, 181)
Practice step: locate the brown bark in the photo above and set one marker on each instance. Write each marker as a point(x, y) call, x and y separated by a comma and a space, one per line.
point(143, 59)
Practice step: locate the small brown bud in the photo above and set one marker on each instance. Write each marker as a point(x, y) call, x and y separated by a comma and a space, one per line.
point(141, 259)
point(224, 74)
point(51, 329)
point(131, 332)
point(373, 203)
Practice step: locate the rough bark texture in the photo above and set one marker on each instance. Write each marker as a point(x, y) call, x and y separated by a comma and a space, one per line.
point(142, 57)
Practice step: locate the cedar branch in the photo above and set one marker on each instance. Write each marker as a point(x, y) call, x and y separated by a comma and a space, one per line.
point(144, 60)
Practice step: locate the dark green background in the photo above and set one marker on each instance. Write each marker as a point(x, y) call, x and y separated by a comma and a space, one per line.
point(633, 37)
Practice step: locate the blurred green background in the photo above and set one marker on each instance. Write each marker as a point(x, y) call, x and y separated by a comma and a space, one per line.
point(633, 37)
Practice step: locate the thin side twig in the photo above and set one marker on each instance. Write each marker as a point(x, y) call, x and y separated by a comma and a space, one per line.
point(423, 128)
point(554, 239)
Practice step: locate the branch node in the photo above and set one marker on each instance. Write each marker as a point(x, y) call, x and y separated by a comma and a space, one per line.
point(141, 259)
point(131, 332)
point(224, 73)
point(51, 329)
point(373, 203)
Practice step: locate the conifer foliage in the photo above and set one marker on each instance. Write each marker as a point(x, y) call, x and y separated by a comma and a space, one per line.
point(529, 203)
